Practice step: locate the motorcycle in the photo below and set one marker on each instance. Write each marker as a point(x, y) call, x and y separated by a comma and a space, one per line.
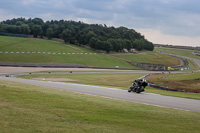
point(138, 85)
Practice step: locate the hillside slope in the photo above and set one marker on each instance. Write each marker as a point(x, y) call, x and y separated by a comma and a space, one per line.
point(30, 50)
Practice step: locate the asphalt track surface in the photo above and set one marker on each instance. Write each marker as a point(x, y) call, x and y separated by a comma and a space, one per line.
point(145, 98)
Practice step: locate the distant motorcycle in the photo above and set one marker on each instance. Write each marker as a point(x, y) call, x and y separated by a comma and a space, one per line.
point(138, 85)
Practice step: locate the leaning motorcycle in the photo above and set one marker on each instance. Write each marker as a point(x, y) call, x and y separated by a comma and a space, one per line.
point(138, 85)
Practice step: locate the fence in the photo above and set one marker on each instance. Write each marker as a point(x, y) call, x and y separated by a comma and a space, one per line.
point(14, 35)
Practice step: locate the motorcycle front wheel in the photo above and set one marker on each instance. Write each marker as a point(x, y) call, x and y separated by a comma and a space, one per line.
point(130, 89)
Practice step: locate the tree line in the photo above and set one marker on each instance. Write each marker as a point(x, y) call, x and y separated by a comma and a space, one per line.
point(96, 36)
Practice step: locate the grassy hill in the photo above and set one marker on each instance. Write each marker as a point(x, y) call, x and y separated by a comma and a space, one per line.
point(32, 50)
point(15, 44)
point(73, 54)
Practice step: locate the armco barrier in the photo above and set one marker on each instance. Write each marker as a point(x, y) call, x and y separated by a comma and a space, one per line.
point(159, 87)
point(168, 89)
point(164, 88)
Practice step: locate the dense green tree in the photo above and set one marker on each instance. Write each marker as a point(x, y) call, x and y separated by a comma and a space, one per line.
point(94, 35)
point(139, 44)
point(19, 23)
point(89, 35)
point(66, 35)
point(25, 29)
point(108, 46)
point(98, 44)
point(49, 33)
point(37, 30)
point(128, 44)
point(11, 29)
point(38, 21)
point(92, 42)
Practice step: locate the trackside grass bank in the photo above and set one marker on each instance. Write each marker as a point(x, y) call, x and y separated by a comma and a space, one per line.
point(149, 57)
point(26, 108)
point(185, 81)
point(121, 81)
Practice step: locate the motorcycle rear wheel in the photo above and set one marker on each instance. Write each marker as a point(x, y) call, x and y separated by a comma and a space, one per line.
point(140, 89)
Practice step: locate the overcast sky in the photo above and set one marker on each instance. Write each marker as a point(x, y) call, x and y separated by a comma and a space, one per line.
point(173, 22)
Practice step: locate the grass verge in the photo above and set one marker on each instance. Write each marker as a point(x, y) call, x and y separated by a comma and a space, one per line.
point(184, 81)
point(26, 108)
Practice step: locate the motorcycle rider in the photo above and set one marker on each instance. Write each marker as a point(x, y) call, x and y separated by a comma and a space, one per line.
point(138, 85)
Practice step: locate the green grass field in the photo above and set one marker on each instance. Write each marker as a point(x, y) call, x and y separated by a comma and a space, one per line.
point(183, 81)
point(149, 57)
point(26, 108)
point(193, 66)
point(121, 81)
point(182, 52)
point(88, 60)
point(14, 44)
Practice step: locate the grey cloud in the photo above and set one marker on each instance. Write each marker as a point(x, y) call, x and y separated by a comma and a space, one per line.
point(166, 15)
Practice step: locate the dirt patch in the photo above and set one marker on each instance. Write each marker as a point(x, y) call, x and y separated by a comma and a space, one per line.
point(54, 79)
point(181, 62)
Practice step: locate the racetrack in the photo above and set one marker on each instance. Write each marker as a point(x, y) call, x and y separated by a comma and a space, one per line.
point(195, 60)
point(145, 98)
point(8, 70)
